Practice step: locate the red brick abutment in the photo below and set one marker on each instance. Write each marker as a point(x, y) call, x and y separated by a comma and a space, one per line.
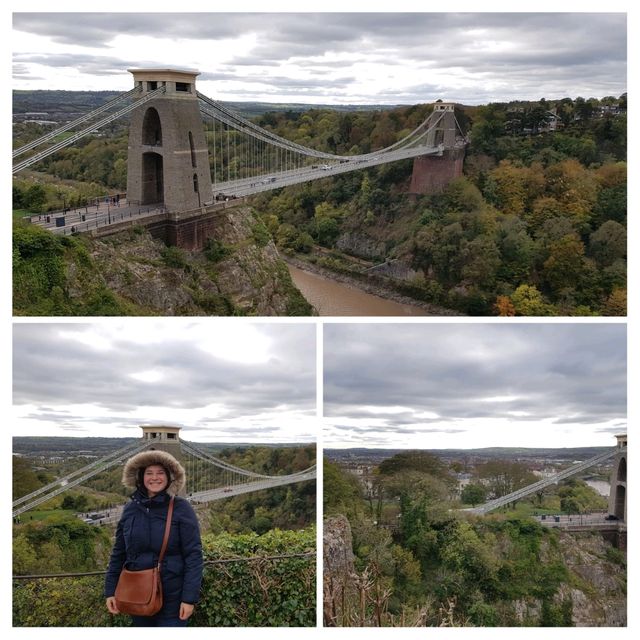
point(185, 229)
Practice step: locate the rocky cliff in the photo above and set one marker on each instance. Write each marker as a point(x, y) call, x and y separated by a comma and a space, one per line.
point(239, 273)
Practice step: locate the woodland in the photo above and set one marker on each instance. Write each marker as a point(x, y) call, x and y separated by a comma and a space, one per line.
point(536, 226)
point(421, 560)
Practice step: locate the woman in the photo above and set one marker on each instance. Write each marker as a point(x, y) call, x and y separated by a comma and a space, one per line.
point(156, 476)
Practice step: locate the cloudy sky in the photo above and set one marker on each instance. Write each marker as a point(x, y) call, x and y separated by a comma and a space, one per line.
point(436, 386)
point(332, 58)
point(221, 382)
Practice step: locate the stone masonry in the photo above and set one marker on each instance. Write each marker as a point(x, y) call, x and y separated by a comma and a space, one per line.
point(168, 160)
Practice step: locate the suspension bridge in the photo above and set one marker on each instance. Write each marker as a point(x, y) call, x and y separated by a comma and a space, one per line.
point(617, 500)
point(187, 152)
point(209, 478)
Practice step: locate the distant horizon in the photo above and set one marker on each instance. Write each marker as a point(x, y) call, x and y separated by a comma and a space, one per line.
point(586, 446)
point(351, 104)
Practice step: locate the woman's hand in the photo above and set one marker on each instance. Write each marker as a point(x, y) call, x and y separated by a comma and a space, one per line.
point(185, 610)
point(111, 605)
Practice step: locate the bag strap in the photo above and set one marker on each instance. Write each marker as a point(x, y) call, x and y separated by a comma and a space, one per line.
point(167, 527)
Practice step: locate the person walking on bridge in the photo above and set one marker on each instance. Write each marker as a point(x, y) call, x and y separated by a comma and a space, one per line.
point(156, 477)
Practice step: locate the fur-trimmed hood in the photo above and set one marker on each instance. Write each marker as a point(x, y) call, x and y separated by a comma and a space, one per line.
point(154, 456)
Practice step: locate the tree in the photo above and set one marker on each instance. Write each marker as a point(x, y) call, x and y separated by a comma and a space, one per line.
point(576, 496)
point(420, 461)
point(608, 243)
point(504, 477)
point(563, 268)
point(25, 479)
point(504, 307)
point(616, 303)
point(528, 301)
point(481, 260)
point(341, 491)
point(473, 494)
point(25, 560)
point(34, 198)
point(462, 195)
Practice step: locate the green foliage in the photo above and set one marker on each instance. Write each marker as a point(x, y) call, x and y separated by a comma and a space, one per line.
point(578, 497)
point(215, 251)
point(473, 494)
point(503, 477)
point(266, 593)
point(38, 267)
point(287, 507)
point(174, 257)
point(616, 556)
point(260, 234)
point(414, 461)
point(528, 301)
point(262, 592)
point(341, 492)
point(62, 602)
point(25, 479)
point(59, 545)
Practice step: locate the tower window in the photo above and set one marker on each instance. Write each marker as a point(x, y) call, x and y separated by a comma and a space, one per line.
point(195, 183)
point(193, 150)
point(183, 86)
point(152, 85)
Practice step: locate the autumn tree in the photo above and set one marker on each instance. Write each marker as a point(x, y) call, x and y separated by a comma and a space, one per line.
point(528, 301)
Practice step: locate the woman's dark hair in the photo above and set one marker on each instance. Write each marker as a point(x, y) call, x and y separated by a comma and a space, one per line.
point(140, 475)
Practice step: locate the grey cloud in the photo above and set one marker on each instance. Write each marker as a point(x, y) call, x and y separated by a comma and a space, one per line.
point(526, 54)
point(90, 64)
point(567, 373)
point(51, 372)
point(281, 82)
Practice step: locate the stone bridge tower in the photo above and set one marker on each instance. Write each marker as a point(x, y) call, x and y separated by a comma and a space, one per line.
point(431, 174)
point(164, 438)
point(168, 159)
point(618, 494)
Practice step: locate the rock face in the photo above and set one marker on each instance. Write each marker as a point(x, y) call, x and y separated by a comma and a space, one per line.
point(338, 569)
point(357, 243)
point(603, 603)
point(595, 590)
point(241, 274)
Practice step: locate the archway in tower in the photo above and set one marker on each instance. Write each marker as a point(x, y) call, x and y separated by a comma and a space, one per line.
point(151, 128)
point(152, 178)
point(621, 499)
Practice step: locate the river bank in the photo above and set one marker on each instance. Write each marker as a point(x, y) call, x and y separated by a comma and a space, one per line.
point(398, 304)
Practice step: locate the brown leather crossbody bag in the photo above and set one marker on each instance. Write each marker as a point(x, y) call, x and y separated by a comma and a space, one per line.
point(139, 593)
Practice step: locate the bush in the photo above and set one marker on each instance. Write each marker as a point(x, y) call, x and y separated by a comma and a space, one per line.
point(263, 592)
point(174, 257)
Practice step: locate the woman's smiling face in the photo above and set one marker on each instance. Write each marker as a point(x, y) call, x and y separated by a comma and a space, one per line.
point(155, 479)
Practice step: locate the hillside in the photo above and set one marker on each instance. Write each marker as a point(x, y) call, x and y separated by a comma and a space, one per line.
point(535, 226)
point(238, 273)
point(506, 453)
point(402, 549)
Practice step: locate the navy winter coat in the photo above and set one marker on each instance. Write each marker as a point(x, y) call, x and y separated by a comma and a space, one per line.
point(139, 540)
